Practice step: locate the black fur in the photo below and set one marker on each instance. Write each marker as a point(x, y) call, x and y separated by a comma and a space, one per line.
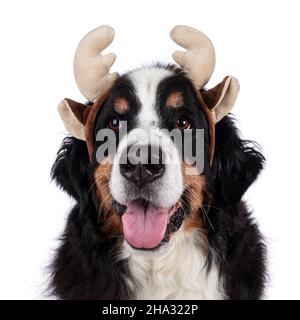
point(236, 238)
point(85, 266)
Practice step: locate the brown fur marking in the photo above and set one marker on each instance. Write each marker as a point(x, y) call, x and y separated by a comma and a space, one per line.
point(111, 220)
point(121, 105)
point(175, 100)
point(196, 187)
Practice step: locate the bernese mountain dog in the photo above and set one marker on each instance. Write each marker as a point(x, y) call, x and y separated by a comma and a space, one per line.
point(163, 228)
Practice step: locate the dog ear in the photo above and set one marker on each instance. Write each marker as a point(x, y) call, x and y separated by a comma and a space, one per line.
point(74, 116)
point(220, 99)
point(236, 165)
point(70, 169)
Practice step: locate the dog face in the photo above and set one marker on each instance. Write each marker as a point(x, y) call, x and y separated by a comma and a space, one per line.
point(147, 184)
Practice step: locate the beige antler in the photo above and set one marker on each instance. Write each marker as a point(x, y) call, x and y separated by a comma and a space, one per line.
point(91, 69)
point(199, 59)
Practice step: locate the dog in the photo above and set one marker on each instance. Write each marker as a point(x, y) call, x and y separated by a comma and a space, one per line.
point(148, 223)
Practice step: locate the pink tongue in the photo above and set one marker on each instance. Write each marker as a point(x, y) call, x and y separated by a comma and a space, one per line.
point(144, 228)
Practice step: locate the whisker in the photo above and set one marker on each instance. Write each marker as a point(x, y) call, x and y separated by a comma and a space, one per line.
point(210, 206)
point(98, 180)
point(202, 207)
point(204, 211)
point(105, 198)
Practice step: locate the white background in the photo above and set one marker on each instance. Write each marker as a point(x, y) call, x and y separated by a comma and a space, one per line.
point(256, 41)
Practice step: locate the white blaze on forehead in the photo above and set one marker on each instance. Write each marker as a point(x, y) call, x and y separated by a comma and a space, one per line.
point(145, 82)
point(167, 190)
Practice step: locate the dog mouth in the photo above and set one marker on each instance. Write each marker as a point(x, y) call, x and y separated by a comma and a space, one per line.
point(147, 226)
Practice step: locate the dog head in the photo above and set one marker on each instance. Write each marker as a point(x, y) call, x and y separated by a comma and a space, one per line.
point(155, 150)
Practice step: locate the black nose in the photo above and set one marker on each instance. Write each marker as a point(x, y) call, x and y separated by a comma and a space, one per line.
point(142, 164)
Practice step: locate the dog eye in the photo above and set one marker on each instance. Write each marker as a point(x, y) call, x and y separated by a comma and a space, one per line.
point(182, 124)
point(114, 123)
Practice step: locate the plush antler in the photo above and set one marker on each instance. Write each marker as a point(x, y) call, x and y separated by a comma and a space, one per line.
point(91, 69)
point(199, 63)
point(199, 59)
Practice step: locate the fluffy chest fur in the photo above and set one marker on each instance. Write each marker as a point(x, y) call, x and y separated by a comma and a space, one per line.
point(179, 273)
